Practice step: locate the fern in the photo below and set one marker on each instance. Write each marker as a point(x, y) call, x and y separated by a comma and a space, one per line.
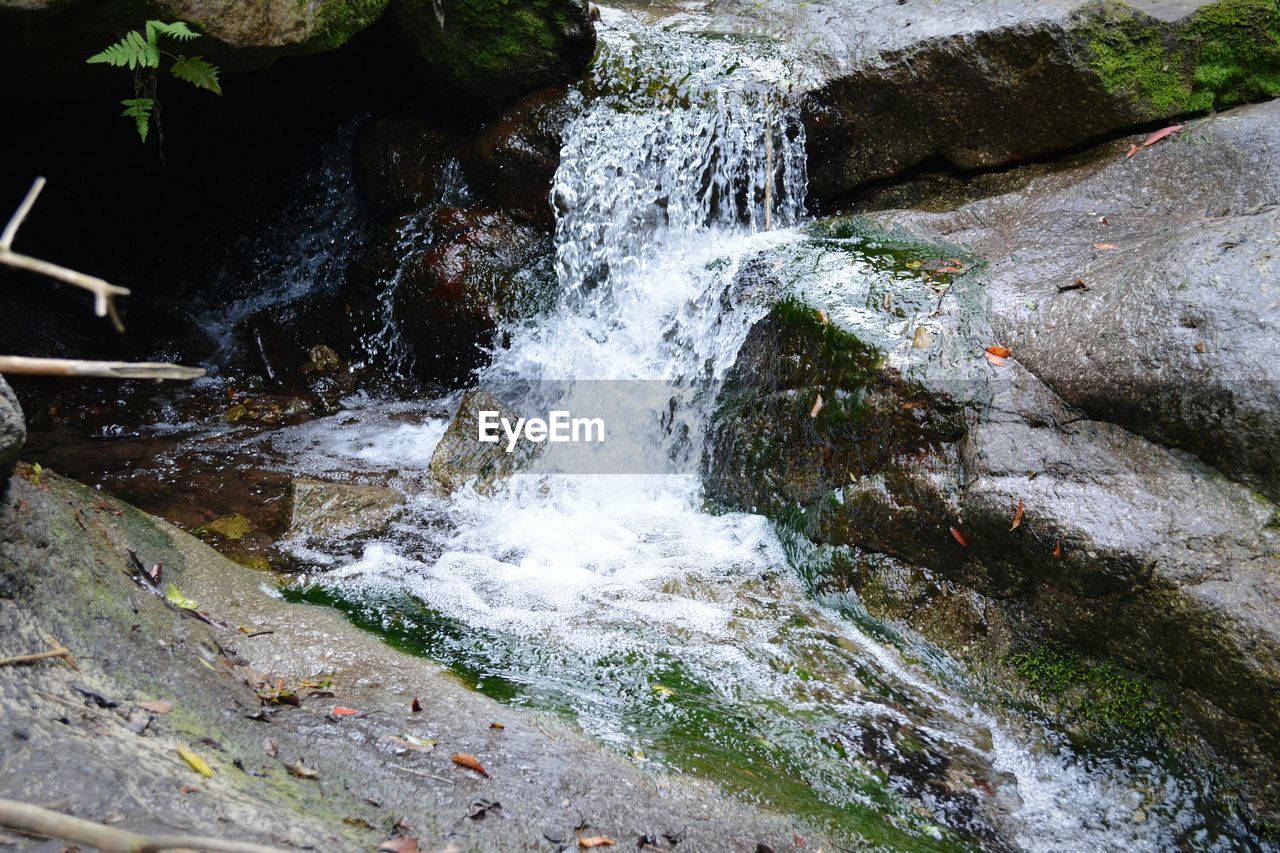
point(198, 73)
point(136, 51)
point(177, 30)
point(139, 109)
point(132, 50)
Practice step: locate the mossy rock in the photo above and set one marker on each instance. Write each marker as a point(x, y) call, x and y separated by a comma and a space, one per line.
point(483, 55)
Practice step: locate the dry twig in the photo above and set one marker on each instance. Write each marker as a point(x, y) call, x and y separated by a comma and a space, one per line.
point(27, 818)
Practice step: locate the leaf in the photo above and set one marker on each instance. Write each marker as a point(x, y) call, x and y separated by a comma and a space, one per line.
point(411, 743)
point(188, 789)
point(139, 109)
point(923, 338)
point(302, 772)
point(1162, 134)
point(995, 360)
point(959, 536)
point(132, 51)
point(199, 73)
point(270, 748)
point(1017, 517)
point(497, 726)
point(160, 706)
point(817, 407)
point(1105, 247)
point(197, 763)
point(1057, 549)
point(178, 30)
point(232, 527)
point(416, 707)
point(174, 596)
point(344, 712)
point(399, 845)
point(662, 690)
point(1000, 352)
point(463, 759)
point(596, 841)
point(1133, 149)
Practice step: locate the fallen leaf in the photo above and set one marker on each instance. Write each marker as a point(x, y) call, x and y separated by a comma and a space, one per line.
point(463, 759)
point(1057, 550)
point(188, 789)
point(662, 689)
point(596, 841)
point(1104, 247)
point(174, 596)
point(1079, 285)
point(1202, 347)
point(1162, 134)
point(1133, 149)
point(995, 360)
point(1000, 352)
point(344, 712)
point(197, 763)
point(409, 742)
point(399, 845)
point(1017, 517)
point(358, 822)
point(817, 407)
point(923, 338)
point(232, 527)
point(269, 747)
point(416, 707)
point(160, 706)
point(302, 772)
point(497, 726)
point(959, 537)
point(1105, 221)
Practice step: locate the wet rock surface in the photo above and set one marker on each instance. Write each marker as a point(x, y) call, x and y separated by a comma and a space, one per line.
point(460, 458)
point(399, 163)
point(1061, 502)
point(483, 55)
point(65, 573)
point(318, 508)
point(454, 273)
point(975, 85)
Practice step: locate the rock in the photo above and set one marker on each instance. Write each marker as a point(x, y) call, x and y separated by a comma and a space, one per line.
point(1128, 549)
point(482, 55)
point(453, 275)
point(319, 509)
point(514, 161)
point(461, 458)
point(1178, 336)
point(44, 43)
point(13, 430)
point(400, 162)
point(954, 84)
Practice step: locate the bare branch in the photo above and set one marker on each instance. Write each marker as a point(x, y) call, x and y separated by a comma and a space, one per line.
point(95, 369)
point(25, 817)
point(102, 291)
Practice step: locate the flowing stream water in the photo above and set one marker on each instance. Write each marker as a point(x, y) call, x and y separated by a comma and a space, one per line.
point(692, 640)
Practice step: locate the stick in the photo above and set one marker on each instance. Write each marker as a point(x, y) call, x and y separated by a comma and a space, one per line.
point(98, 369)
point(59, 652)
point(25, 817)
point(102, 291)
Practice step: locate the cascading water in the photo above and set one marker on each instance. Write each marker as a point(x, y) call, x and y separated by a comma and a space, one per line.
point(686, 639)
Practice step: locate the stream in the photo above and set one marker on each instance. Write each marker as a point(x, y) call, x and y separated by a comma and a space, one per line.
point(599, 584)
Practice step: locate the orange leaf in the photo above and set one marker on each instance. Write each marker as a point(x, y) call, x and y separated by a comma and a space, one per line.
point(344, 712)
point(1000, 352)
point(1105, 221)
point(416, 707)
point(1161, 134)
point(596, 841)
point(996, 361)
point(1057, 549)
point(1133, 149)
point(1017, 518)
point(399, 845)
point(470, 762)
point(959, 537)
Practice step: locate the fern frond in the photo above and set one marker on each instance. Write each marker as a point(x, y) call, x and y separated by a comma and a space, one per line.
point(132, 50)
point(198, 73)
point(139, 109)
point(177, 30)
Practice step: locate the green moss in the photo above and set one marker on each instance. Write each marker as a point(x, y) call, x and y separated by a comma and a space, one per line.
point(1098, 696)
point(1226, 53)
point(338, 20)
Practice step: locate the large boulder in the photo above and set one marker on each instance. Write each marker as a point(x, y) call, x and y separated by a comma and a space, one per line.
point(1178, 336)
point(461, 458)
point(44, 43)
point(964, 85)
point(13, 430)
point(400, 162)
point(483, 55)
point(450, 276)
